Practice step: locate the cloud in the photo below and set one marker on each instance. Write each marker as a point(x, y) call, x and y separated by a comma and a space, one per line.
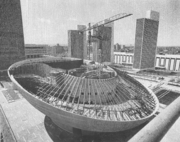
point(45, 21)
point(72, 19)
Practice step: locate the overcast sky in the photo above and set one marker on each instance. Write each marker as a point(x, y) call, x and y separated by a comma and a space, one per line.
point(47, 21)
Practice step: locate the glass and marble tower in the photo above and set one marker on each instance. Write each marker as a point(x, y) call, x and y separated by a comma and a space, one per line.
point(146, 41)
point(11, 33)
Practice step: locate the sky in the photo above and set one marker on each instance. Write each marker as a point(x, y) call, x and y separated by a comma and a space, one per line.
point(48, 21)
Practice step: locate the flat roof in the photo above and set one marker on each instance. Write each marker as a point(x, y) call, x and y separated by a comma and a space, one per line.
point(166, 55)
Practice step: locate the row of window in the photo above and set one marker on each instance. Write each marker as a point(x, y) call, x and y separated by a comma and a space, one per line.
point(33, 56)
point(168, 63)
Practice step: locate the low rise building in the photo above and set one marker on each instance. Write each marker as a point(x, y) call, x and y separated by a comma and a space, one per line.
point(34, 51)
point(57, 50)
point(167, 62)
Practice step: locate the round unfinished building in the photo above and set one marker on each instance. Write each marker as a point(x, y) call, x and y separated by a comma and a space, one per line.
point(84, 95)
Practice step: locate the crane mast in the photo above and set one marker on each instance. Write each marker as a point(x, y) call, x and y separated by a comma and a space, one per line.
point(102, 23)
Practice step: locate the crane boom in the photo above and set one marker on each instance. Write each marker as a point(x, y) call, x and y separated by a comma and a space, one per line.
point(102, 23)
point(108, 20)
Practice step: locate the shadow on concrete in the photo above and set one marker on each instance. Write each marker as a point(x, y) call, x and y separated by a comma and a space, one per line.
point(168, 98)
point(6, 133)
point(57, 134)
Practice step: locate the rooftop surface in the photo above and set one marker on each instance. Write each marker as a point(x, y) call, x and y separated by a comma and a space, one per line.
point(26, 122)
point(166, 55)
point(30, 125)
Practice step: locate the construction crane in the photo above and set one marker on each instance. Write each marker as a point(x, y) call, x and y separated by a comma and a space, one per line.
point(102, 23)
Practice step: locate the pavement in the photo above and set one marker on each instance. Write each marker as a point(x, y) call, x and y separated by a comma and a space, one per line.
point(27, 123)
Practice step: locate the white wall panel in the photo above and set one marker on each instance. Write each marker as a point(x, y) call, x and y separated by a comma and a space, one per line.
point(115, 58)
point(177, 65)
point(121, 58)
point(131, 59)
point(127, 59)
point(167, 63)
point(172, 64)
point(118, 59)
point(162, 62)
point(157, 62)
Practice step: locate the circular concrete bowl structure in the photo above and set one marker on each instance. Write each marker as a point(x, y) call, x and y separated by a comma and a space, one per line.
point(83, 95)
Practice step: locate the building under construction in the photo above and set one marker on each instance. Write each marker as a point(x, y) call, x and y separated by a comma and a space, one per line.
point(84, 96)
point(78, 95)
point(100, 38)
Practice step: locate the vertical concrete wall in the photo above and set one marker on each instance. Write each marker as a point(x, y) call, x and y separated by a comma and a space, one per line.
point(138, 43)
point(106, 34)
point(149, 44)
point(150, 14)
point(95, 46)
point(81, 28)
point(102, 48)
point(112, 39)
point(105, 41)
point(11, 33)
point(69, 44)
point(77, 44)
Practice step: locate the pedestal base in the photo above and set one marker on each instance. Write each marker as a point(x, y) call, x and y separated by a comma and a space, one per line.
point(69, 134)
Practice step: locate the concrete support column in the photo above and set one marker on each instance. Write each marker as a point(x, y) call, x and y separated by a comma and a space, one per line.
point(158, 127)
point(160, 62)
point(164, 62)
point(174, 66)
point(169, 65)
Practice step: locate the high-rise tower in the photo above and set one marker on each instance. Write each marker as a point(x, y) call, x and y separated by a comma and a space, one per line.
point(103, 48)
point(146, 41)
point(11, 33)
point(77, 43)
